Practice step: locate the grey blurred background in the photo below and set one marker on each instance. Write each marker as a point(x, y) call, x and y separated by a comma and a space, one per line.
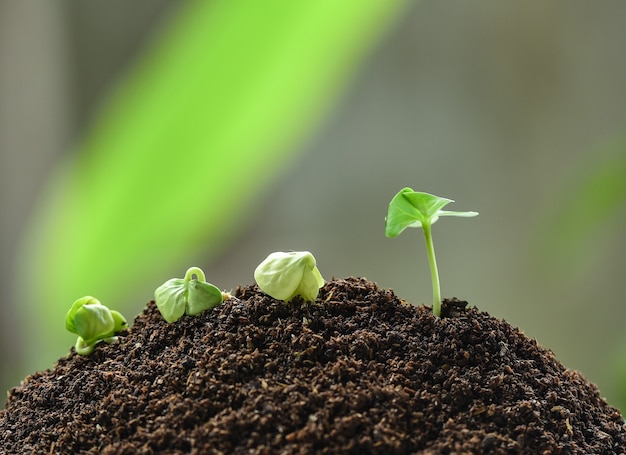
point(494, 104)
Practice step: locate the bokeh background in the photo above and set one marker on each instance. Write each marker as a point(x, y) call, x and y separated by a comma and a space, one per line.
point(140, 138)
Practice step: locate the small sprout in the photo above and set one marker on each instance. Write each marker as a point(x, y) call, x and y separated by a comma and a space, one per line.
point(93, 322)
point(187, 295)
point(410, 208)
point(287, 275)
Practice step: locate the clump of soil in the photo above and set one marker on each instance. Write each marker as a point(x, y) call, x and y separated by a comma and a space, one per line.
point(358, 371)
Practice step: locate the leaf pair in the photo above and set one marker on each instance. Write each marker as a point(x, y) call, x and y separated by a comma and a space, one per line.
point(187, 295)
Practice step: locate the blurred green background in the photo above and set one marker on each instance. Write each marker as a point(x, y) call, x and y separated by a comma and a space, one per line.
point(139, 138)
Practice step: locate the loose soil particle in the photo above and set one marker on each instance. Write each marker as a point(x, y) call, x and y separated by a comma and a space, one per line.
point(358, 371)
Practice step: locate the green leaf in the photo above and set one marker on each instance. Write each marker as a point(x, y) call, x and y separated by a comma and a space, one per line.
point(202, 296)
point(287, 275)
point(310, 283)
point(119, 321)
point(410, 208)
point(427, 205)
point(76, 306)
point(171, 299)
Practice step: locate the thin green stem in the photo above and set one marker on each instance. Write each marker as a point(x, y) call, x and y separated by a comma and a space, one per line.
point(433, 269)
point(82, 348)
point(195, 271)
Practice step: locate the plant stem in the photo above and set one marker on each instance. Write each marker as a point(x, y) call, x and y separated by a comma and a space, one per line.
point(82, 348)
point(194, 271)
point(433, 269)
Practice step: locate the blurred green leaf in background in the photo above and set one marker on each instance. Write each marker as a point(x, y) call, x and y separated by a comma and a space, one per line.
point(583, 218)
point(577, 227)
point(174, 163)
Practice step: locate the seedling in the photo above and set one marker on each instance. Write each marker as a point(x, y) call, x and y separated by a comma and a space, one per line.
point(411, 208)
point(93, 322)
point(187, 295)
point(288, 275)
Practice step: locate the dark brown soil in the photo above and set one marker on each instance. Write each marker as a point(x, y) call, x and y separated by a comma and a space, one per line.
point(357, 372)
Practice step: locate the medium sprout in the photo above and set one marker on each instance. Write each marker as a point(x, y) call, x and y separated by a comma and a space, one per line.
point(410, 208)
point(187, 295)
point(93, 322)
point(288, 275)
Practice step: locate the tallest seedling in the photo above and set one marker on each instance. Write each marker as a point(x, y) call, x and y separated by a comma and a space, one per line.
point(411, 208)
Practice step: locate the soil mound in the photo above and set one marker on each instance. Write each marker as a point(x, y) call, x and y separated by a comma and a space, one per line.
point(358, 371)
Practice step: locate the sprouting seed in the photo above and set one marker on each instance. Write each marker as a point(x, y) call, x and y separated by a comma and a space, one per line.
point(285, 275)
point(93, 322)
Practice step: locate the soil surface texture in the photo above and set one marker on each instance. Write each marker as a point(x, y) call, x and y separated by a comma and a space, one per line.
point(359, 371)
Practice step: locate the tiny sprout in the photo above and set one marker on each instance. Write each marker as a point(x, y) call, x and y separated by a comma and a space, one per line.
point(93, 322)
point(410, 208)
point(189, 296)
point(287, 275)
